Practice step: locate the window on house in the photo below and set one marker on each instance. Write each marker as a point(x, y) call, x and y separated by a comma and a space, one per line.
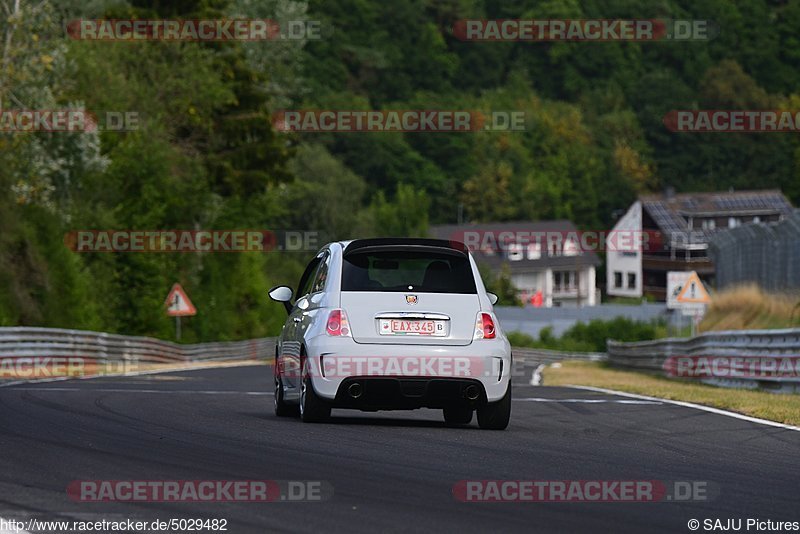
point(515, 252)
point(553, 248)
point(534, 251)
point(733, 222)
point(631, 280)
point(708, 224)
point(756, 219)
point(564, 280)
point(570, 247)
point(617, 279)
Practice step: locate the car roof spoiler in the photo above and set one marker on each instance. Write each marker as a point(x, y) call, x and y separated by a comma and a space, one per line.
point(401, 244)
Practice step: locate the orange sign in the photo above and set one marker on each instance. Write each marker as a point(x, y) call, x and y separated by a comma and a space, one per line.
point(693, 291)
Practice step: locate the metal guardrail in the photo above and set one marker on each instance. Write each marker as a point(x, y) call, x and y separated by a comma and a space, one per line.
point(546, 357)
point(729, 353)
point(742, 358)
point(530, 362)
point(35, 342)
point(101, 348)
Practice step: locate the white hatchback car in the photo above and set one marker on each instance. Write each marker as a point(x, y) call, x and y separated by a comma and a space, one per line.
point(395, 323)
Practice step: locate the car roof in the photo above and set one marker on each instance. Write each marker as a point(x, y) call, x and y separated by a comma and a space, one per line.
point(398, 243)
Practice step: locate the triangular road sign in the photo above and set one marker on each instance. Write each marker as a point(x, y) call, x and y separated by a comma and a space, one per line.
point(693, 291)
point(178, 303)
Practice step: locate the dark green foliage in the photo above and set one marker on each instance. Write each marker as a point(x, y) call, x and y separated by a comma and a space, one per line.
point(206, 156)
point(500, 284)
point(591, 336)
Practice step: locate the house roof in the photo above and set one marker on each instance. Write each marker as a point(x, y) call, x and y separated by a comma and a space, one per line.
point(491, 233)
point(671, 213)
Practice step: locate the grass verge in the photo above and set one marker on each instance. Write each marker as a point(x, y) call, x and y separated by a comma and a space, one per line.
point(783, 408)
point(748, 307)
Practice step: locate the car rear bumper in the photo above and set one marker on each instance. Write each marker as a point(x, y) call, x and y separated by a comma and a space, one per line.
point(398, 393)
point(412, 375)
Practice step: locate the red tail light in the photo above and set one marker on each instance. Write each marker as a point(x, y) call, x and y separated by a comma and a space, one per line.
point(338, 325)
point(484, 327)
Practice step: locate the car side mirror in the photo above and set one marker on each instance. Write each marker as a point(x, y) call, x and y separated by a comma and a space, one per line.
point(492, 298)
point(282, 294)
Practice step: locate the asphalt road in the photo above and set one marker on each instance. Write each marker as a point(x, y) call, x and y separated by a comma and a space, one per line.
point(389, 471)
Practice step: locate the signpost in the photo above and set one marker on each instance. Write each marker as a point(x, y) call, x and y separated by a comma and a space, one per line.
point(686, 292)
point(179, 305)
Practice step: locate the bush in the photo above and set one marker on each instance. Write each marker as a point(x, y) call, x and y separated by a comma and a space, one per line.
point(518, 339)
point(591, 336)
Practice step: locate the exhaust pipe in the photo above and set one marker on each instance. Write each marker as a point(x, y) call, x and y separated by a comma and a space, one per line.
point(355, 390)
point(472, 392)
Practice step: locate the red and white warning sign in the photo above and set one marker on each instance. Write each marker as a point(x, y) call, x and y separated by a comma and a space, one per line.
point(693, 291)
point(178, 303)
point(685, 290)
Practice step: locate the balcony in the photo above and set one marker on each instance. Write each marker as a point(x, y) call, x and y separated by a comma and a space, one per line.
point(665, 263)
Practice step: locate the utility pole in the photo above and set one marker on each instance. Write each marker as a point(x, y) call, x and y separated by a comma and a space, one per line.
point(177, 321)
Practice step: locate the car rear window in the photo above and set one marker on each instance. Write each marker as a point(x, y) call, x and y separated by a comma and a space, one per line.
point(398, 271)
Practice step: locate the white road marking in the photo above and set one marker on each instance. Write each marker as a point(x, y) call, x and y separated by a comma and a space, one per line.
point(588, 401)
point(536, 377)
point(717, 411)
point(131, 390)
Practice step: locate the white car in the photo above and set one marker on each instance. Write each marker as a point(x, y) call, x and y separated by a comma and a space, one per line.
point(394, 323)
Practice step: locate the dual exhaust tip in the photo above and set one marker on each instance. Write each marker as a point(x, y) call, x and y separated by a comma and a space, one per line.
point(356, 390)
point(472, 392)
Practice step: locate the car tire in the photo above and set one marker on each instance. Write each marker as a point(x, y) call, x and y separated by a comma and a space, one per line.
point(457, 415)
point(313, 409)
point(282, 409)
point(495, 415)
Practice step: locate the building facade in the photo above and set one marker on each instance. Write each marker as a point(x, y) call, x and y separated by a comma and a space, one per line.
point(542, 258)
point(678, 228)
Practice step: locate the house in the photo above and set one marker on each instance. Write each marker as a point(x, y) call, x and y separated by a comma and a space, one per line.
point(543, 258)
point(679, 227)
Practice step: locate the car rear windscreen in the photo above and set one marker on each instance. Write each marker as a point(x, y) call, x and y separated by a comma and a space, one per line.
point(397, 271)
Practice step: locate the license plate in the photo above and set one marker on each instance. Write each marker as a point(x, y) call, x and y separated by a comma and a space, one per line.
point(412, 327)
